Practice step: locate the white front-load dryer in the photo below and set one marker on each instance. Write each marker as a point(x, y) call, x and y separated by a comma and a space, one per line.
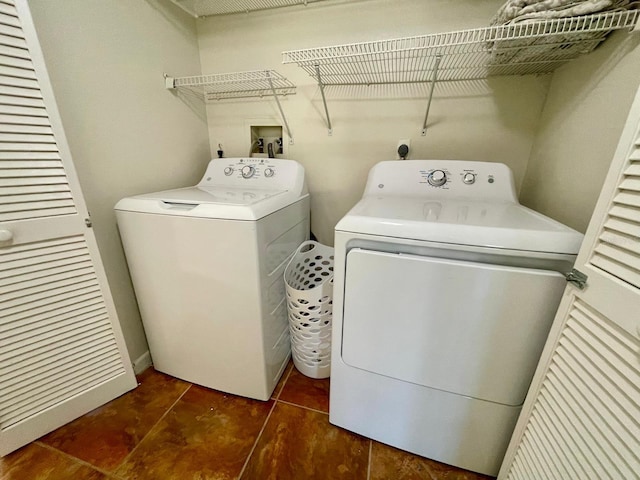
point(207, 267)
point(444, 293)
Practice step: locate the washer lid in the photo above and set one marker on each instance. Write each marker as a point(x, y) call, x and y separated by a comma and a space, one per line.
point(463, 222)
point(219, 195)
point(225, 202)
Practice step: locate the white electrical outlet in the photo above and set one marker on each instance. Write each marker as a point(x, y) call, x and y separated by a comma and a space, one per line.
point(403, 141)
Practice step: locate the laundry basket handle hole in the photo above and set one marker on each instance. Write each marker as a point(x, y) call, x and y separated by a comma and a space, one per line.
point(307, 248)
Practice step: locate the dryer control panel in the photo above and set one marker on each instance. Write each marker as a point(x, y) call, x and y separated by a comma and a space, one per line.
point(442, 179)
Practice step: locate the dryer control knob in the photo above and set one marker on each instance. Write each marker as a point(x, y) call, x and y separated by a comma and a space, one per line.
point(248, 171)
point(228, 171)
point(469, 178)
point(269, 172)
point(437, 178)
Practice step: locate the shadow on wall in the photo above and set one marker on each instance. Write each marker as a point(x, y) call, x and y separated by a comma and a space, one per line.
point(586, 78)
point(176, 16)
point(182, 23)
point(390, 92)
point(194, 101)
point(417, 95)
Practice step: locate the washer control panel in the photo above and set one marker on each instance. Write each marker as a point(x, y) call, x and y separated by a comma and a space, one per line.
point(442, 178)
point(269, 173)
point(246, 168)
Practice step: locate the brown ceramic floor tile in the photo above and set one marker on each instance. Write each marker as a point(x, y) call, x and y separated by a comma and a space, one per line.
point(283, 379)
point(105, 436)
point(390, 463)
point(305, 391)
point(301, 444)
point(35, 462)
point(206, 435)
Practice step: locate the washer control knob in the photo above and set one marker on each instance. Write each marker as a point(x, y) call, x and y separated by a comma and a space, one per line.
point(437, 178)
point(469, 178)
point(228, 171)
point(248, 171)
point(269, 172)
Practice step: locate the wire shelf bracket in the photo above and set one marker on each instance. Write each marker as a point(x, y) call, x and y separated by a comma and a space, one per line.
point(434, 79)
point(524, 48)
point(275, 96)
point(221, 86)
point(324, 99)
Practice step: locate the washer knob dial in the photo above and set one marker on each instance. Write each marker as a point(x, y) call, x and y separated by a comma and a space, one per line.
point(269, 172)
point(437, 178)
point(228, 171)
point(469, 178)
point(248, 171)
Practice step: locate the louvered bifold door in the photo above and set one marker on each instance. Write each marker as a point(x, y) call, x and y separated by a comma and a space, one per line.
point(581, 418)
point(617, 250)
point(61, 348)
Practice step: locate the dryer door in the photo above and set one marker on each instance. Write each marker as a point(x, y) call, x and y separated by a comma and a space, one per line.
point(468, 328)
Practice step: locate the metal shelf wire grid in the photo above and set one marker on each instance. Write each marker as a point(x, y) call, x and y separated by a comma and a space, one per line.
point(535, 47)
point(203, 8)
point(236, 85)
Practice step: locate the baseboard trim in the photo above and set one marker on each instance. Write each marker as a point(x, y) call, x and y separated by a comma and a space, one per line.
point(141, 363)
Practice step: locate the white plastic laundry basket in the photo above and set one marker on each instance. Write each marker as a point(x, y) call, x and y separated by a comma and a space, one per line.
point(309, 282)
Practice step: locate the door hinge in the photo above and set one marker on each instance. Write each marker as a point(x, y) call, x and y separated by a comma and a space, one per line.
point(578, 278)
point(87, 222)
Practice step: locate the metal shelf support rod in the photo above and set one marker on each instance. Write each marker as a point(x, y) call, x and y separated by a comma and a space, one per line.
point(275, 95)
point(324, 100)
point(434, 79)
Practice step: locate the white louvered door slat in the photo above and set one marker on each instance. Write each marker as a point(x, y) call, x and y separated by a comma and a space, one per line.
point(18, 91)
point(14, 52)
point(8, 9)
point(48, 320)
point(21, 286)
point(61, 348)
point(16, 72)
point(8, 138)
point(20, 67)
point(9, 19)
point(12, 41)
point(24, 121)
point(21, 101)
point(581, 418)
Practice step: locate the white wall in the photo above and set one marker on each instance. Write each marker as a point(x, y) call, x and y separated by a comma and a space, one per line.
point(588, 103)
point(489, 120)
point(127, 134)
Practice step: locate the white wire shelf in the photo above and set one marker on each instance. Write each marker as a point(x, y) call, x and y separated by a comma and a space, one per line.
point(532, 47)
point(220, 86)
point(520, 49)
point(204, 8)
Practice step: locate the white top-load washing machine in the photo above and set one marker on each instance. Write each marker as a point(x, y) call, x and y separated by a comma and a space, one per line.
point(207, 266)
point(444, 293)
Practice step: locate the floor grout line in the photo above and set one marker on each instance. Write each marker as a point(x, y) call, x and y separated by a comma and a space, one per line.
point(124, 460)
point(302, 406)
point(264, 425)
point(76, 459)
point(369, 463)
point(255, 444)
point(285, 382)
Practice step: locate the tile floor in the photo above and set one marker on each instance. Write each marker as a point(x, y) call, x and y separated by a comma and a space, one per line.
point(170, 429)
